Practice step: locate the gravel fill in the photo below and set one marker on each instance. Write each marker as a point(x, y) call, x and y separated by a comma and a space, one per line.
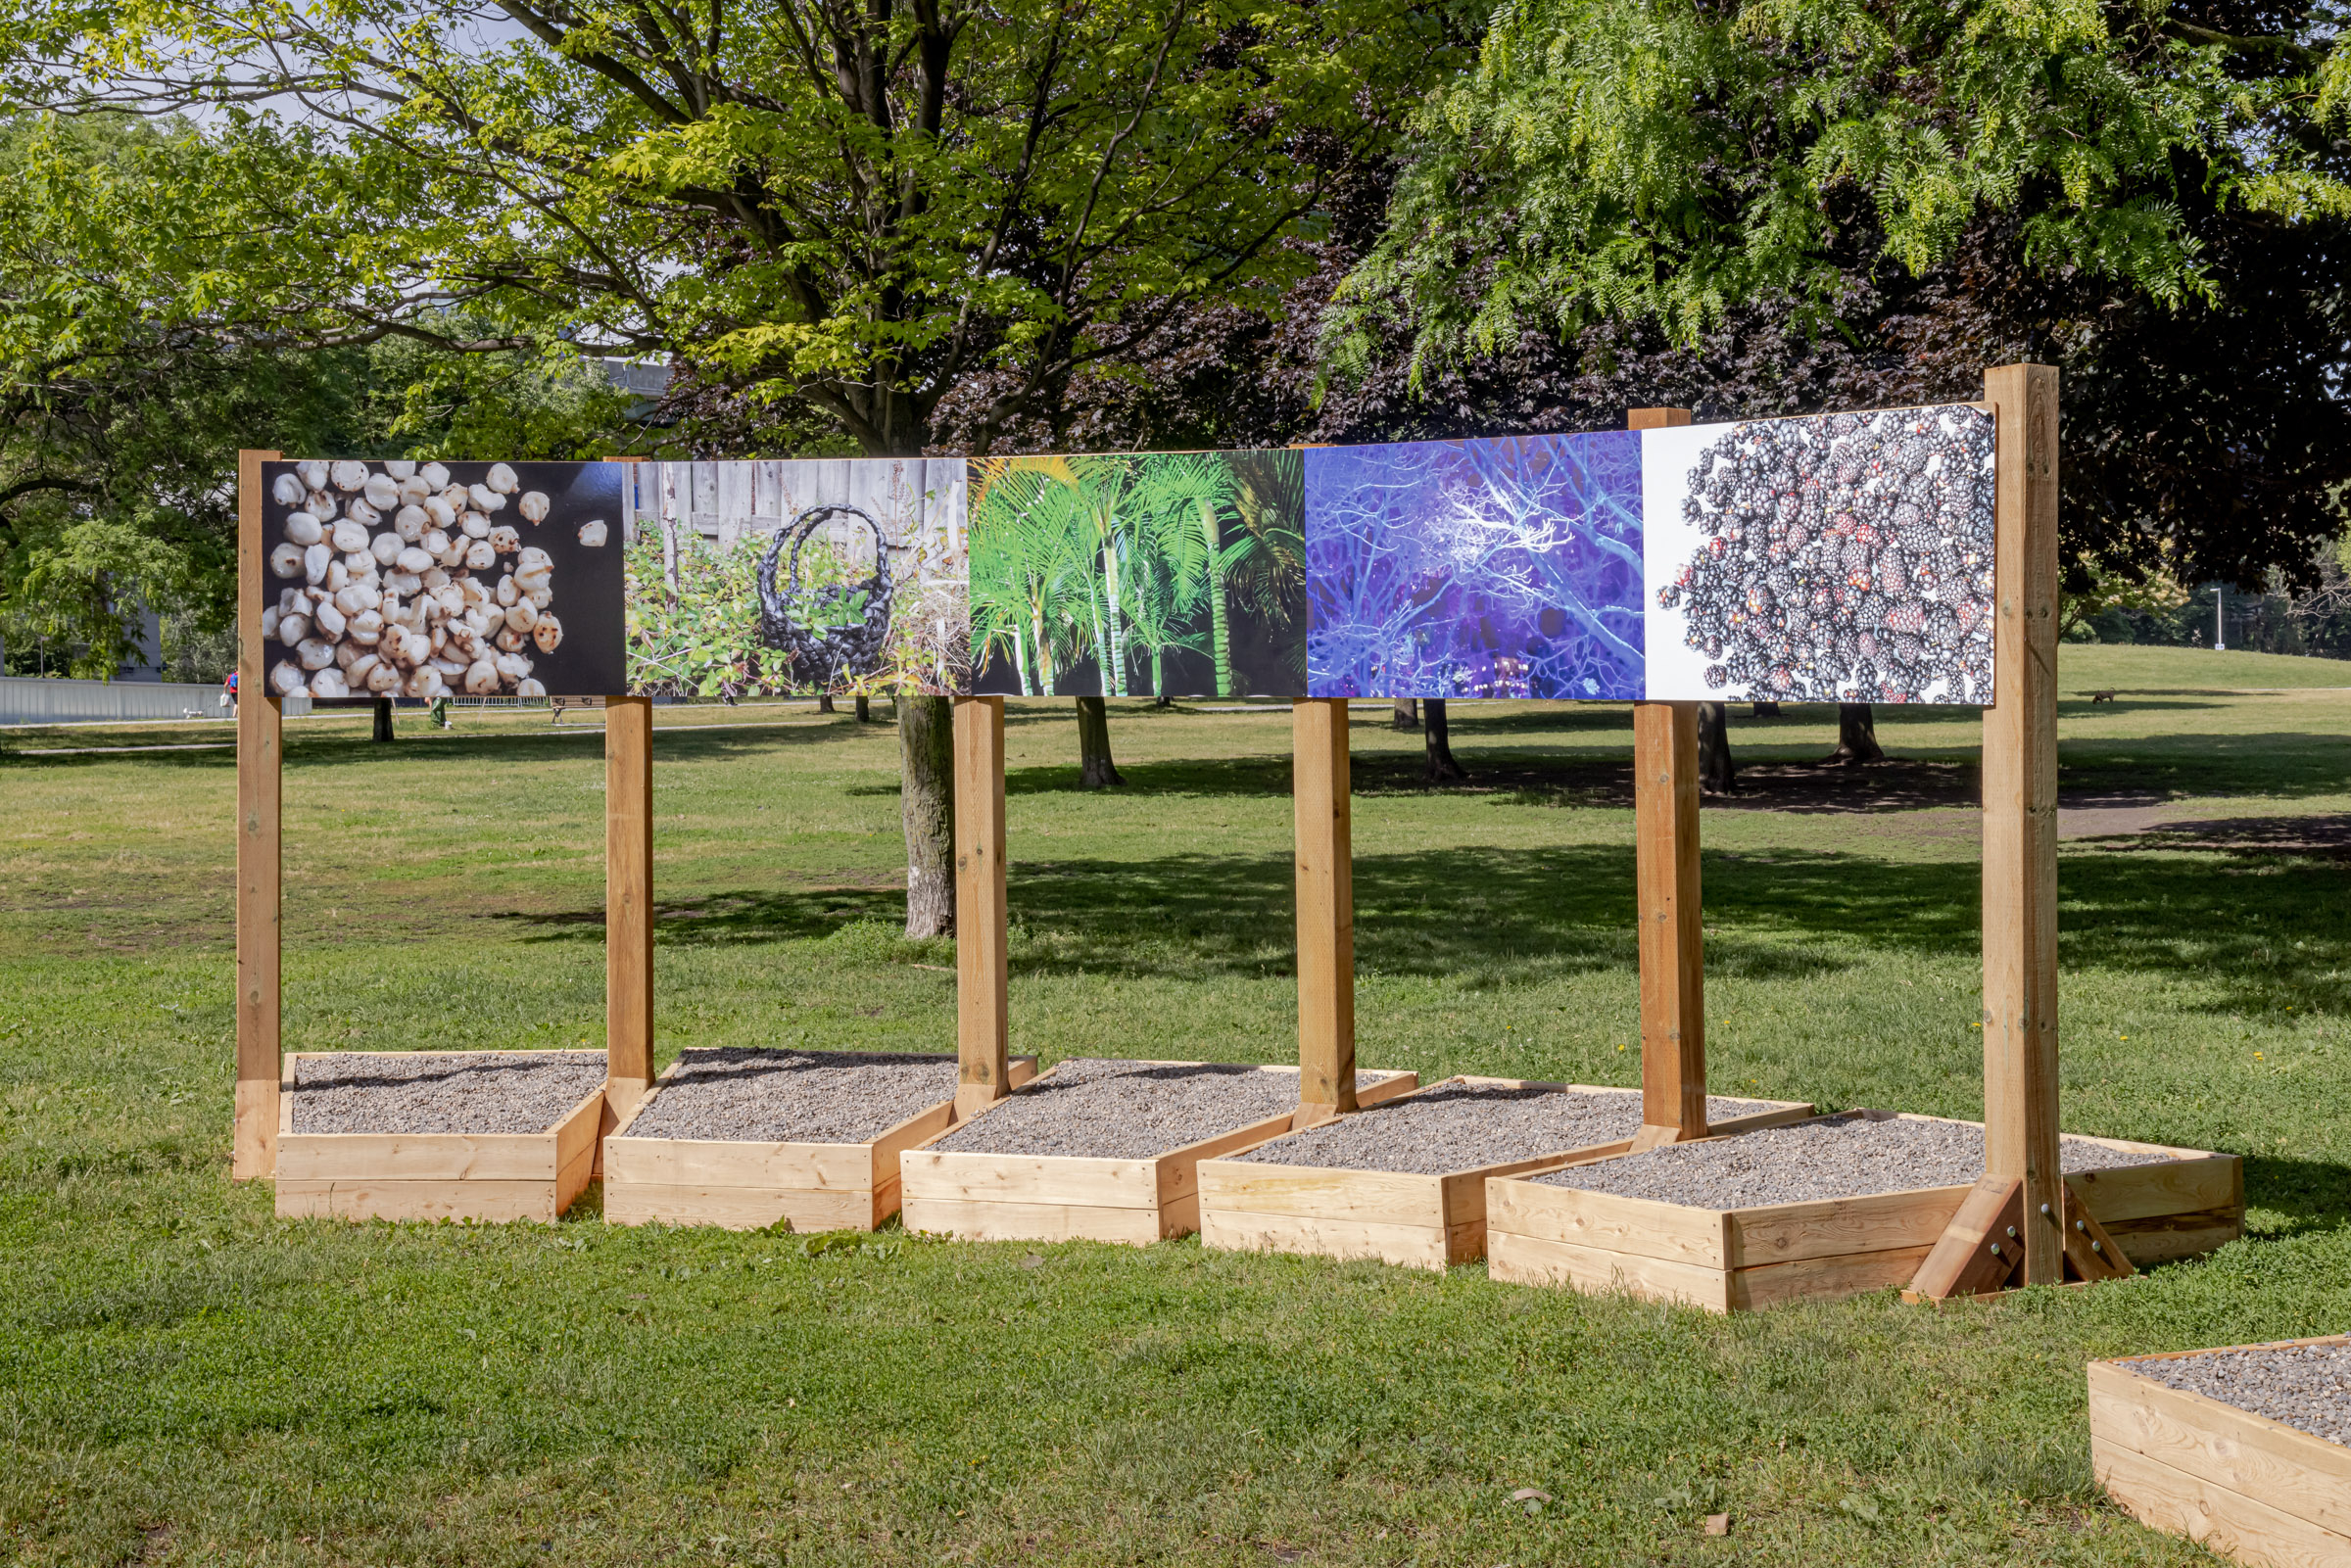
point(1102, 1109)
point(762, 1096)
point(442, 1091)
point(1851, 1156)
point(1455, 1126)
point(2305, 1386)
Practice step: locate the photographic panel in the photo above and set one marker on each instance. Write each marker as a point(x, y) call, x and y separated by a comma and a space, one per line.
point(1139, 574)
point(409, 579)
point(1501, 568)
point(1832, 558)
point(842, 577)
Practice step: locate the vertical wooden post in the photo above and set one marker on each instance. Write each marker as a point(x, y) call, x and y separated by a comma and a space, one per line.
point(2020, 817)
point(628, 902)
point(1319, 791)
point(982, 1015)
point(260, 762)
point(1666, 839)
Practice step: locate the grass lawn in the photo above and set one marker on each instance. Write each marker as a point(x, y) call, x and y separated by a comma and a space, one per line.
point(184, 1379)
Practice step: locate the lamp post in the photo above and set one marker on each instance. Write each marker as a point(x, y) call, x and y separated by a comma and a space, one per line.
point(2219, 618)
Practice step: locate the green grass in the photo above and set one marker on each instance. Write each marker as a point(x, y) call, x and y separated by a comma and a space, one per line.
point(185, 1379)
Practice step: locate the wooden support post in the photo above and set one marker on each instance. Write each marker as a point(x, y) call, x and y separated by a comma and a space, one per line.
point(628, 902)
point(260, 762)
point(982, 1015)
point(1673, 983)
point(2020, 817)
point(1318, 793)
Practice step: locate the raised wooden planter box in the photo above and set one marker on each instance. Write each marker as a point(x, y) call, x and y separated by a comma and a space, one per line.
point(749, 1186)
point(1729, 1260)
point(1404, 1217)
point(2249, 1487)
point(1020, 1196)
point(433, 1175)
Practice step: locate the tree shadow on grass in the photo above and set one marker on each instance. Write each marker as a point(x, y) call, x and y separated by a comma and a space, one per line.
point(2313, 1195)
point(2260, 934)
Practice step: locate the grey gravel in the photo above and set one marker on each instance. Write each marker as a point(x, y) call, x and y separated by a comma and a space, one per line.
point(2304, 1386)
point(1102, 1109)
point(442, 1091)
point(767, 1096)
point(1455, 1126)
point(1850, 1156)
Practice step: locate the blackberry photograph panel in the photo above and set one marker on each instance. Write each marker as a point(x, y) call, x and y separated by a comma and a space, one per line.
point(1830, 559)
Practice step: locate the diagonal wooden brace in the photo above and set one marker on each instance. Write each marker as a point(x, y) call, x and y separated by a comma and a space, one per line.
point(2090, 1252)
point(1981, 1249)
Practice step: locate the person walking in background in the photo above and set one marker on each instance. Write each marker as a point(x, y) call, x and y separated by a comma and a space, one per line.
point(228, 695)
point(441, 710)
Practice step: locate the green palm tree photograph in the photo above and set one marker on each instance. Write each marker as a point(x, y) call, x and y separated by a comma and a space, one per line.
point(1139, 574)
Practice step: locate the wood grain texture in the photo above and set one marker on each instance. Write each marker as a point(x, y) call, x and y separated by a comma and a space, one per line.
point(2298, 1473)
point(1320, 791)
point(1782, 1233)
point(1029, 1180)
point(1824, 1279)
point(2252, 1531)
point(1673, 1002)
point(1407, 1246)
point(1051, 1222)
point(1600, 1221)
point(261, 795)
point(1516, 1258)
point(1978, 1251)
point(361, 1197)
point(982, 1014)
point(2020, 814)
point(628, 898)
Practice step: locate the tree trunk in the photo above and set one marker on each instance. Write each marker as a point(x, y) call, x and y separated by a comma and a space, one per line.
point(865, 710)
point(1436, 741)
point(1219, 642)
point(927, 809)
point(1717, 769)
point(1408, 714)
point(1096, 769)
point(1114, 677)
point(1159, 676)
point(383, 717)
point(1765, 710)
point(824, 702)
point(1856, 736)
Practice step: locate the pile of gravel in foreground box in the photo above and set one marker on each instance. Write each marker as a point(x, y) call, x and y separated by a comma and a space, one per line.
point(1102, 1108)
point(2305, 1386)
point(442, 1091)
point(746, 1094)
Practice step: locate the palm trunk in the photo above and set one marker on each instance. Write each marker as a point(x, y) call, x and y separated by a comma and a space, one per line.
point(1159, 676)
point(1044, 649)
point(1219, 636)
point(1115, 684)
point(1096, 769)
point(1093, 603)
point(1019, 661)
point(927, 809)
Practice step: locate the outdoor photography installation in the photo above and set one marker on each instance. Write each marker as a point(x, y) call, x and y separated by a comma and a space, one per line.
point(1830, 559)
point(834, 576)
point(427, 580)
point(1140, 574)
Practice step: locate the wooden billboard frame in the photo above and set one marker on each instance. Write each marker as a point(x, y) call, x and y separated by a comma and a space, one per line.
point(261, 834)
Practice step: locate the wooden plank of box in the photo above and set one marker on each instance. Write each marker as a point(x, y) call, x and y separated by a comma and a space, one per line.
point(1023, 1197)
point(1408, 1218)
point(432, 1176)
point(1730, 1260)
point(739, 1184)
point(2247, 1487)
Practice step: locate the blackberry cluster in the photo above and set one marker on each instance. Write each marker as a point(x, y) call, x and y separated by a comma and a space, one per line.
point(1848, 558)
